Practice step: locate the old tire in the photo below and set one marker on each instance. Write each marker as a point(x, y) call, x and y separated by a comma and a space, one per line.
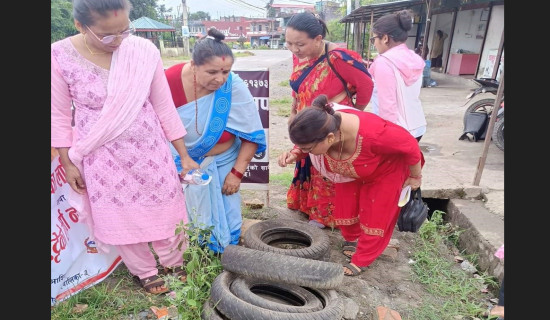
point(234, 308)
point(209, 312)
point(275, 235)
point(275, 296)
point(498, 133)
point(282, 268)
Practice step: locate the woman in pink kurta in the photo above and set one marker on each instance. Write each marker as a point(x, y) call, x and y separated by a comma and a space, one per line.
point(369, 159)
point(116, 157)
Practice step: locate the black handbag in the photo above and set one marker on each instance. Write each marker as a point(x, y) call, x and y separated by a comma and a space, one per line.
point(413, 213)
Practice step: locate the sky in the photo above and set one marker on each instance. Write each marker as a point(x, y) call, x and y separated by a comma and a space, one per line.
point(217, 8)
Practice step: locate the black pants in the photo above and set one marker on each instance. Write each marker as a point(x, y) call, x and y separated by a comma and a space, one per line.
point(437, 61)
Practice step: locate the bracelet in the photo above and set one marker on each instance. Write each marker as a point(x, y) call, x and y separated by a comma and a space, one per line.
point(416, 177)
point(237, 173)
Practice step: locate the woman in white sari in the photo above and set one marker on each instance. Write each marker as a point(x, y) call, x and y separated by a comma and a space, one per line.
point(224, 132)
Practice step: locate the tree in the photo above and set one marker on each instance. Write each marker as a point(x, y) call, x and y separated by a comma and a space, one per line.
point(335, 31)
point(144, 8)
point(62, 24)
point(199, 15)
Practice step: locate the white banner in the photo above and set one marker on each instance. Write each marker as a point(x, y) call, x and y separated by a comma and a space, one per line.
point(76, 263)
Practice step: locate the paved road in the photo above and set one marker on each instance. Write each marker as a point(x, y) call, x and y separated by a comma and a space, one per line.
point(261, 59)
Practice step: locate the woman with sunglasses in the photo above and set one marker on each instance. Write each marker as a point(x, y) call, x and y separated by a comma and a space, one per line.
point(369, 160)
point(397, 71)
point(320, 66)
point(116, 155)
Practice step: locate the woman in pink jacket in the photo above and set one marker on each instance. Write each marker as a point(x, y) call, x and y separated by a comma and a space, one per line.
point(397, 73)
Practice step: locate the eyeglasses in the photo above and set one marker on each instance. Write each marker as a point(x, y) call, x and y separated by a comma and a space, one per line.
point(307, 150)
point(110, 38)
point(372, 39)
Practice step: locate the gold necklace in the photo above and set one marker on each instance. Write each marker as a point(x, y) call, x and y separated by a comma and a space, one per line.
point(91, 52)
point(196, 103)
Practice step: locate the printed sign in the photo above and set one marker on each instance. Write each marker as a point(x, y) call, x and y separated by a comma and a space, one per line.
point(76, 264)
point(256, 175)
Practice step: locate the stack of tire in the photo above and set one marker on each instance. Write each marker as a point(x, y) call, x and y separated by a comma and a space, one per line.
point(283, 273)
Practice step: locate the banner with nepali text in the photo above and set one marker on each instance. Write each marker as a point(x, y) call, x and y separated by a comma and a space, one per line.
point(76, 263)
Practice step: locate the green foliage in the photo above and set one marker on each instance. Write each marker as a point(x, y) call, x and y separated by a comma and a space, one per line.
point(202, 266)
point(335, 31)
point(144, 8)
point(120, 297)
point(200, 15)
point(62, 24)
point(456, 294)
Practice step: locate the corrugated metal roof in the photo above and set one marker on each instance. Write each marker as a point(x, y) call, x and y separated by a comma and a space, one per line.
point(380, 9)
point(146, 23)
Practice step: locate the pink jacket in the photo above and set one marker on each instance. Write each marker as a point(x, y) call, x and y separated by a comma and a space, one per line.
point(385, 96)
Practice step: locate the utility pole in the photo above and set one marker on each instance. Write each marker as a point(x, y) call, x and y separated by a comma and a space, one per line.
point(185, 29)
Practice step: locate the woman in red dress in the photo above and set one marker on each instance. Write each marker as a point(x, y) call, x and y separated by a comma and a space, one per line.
point(312, 75)
point(369, 160)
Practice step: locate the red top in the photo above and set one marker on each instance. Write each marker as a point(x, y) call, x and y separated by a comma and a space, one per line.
point(173, 74)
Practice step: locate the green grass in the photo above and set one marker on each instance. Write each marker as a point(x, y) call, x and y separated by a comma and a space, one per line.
point(282, 105)
point(283, 179)
point(456, 294)
point(126, 299)
point(284, 83)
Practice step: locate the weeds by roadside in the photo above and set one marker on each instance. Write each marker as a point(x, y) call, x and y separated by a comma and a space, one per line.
point(122, 298)
point(457, 295)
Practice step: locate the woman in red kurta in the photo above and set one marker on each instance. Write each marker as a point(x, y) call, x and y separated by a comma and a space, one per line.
point(369, 160)
point(312, 75)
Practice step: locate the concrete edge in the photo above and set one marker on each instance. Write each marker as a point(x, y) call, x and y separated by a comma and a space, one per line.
point(482, 233)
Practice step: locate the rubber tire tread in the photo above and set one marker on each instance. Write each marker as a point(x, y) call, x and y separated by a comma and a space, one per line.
point(209, 312)
point(235, 308)
point(315, 241)
point(498, 132)
point(282, 268)
point(244, 288)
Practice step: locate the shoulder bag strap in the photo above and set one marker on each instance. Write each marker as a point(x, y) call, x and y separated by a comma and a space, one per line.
point(338, 75)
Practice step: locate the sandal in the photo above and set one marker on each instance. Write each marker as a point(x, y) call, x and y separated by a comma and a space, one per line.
point(355, 270)
point(350, 246)
point(178, 272)
point(152, 282)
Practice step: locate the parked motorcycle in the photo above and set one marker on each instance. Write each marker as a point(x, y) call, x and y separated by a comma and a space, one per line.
point(487, 85)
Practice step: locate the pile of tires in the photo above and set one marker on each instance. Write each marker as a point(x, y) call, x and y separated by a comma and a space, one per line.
point(268, 280)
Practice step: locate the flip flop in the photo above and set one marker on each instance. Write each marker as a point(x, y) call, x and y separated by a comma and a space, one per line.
point(349, 246)
point(355, 270)
point(152, 282)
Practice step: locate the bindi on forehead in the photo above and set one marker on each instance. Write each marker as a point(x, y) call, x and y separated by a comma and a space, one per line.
point(115, 13)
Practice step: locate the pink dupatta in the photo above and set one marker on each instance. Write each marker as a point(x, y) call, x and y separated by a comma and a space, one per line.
point(133, 65)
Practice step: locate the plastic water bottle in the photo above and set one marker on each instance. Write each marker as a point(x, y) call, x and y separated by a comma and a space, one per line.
point(196, 176)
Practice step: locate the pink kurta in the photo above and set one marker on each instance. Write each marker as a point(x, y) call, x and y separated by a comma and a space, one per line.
point(132, 184)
